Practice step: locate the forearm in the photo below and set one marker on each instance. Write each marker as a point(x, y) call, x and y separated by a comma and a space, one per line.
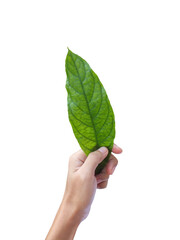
point(65, 223)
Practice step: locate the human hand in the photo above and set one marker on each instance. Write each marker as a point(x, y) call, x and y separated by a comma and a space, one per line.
point(80, 190)
point(81, 180)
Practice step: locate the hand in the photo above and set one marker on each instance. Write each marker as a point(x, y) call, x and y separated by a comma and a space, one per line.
point(80, 190)
point(81, 181)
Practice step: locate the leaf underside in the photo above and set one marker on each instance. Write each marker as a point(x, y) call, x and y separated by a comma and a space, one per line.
point(89, 109)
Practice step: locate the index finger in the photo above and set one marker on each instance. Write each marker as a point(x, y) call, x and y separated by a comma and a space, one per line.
point(116, 149)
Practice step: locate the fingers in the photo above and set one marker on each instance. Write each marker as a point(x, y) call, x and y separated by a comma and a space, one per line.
point(76, 160)
point(80, 160)
point(102, 185)
point(111, 165)
point(116, 149)
point(102, 178)
point(108, 169)
point(94, 158)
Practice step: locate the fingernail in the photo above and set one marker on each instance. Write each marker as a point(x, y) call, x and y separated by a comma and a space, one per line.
point(103, 150)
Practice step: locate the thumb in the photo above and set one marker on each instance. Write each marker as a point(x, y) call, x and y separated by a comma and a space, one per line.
point(94, 158)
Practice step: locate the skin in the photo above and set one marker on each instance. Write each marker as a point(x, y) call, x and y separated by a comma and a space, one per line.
point(80, 190)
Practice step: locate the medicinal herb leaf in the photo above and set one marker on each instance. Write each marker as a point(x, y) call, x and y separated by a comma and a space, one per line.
point(89, 109)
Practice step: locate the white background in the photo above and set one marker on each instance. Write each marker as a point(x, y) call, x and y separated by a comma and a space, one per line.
point(134, 47)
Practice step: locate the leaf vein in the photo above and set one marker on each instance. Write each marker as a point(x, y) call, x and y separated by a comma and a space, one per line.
point(90, 150)
point(72, 72)
point(104, 121)
point(107, 135)
point(74, 89)
point(77, 105)
point(93, 88)
point(78, 119)
point(86, 100)
point(81, 133)
point(99, 106)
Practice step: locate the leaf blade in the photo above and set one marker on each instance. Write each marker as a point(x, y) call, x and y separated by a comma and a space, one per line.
point(89, 109)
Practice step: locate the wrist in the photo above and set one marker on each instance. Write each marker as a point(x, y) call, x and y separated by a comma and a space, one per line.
point(65, 223)
point(71, 207)
point(70, 211)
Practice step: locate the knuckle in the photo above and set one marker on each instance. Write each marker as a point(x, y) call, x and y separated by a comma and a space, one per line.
point(95, 154)
point(116, 162)
point(104, 176)
point(103, 185)
point(75, 155)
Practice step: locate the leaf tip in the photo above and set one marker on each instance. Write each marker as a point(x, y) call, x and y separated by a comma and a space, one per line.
point(69, 51)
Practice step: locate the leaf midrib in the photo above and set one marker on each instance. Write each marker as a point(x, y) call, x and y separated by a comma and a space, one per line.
point(93, 125)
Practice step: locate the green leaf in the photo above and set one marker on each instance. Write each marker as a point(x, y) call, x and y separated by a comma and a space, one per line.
point(89, 109)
